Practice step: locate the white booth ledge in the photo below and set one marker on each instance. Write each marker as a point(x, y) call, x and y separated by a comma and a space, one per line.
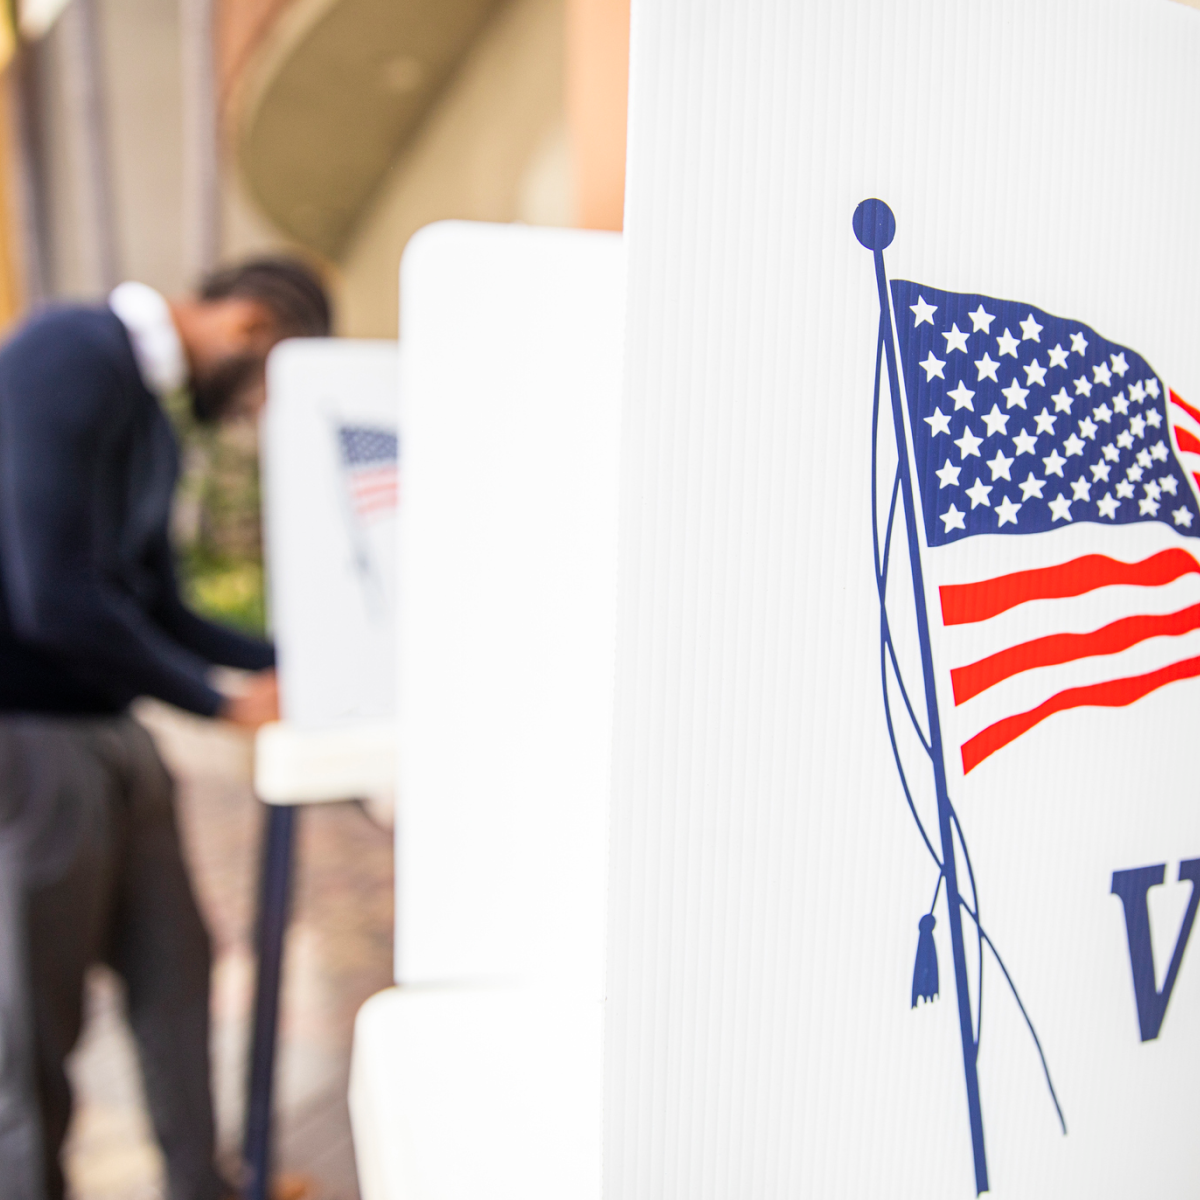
point(477, 1094)
point(306, 766)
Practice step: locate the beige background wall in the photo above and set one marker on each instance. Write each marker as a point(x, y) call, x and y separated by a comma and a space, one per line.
point(494, 148)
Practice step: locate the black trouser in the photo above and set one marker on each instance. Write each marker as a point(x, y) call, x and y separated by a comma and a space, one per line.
point(91, 871)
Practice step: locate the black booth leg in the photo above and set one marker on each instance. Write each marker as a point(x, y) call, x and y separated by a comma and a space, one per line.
point(274, 903)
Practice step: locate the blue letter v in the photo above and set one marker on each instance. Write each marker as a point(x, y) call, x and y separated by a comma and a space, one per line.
point(1132, 887)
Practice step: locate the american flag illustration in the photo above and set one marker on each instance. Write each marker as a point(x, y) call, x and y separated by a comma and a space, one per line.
point(369, 457)
point(1083, 466)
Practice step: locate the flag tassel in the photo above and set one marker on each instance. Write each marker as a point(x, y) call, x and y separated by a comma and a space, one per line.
point(925, 969)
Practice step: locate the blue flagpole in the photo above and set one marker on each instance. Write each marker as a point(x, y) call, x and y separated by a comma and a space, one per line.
point(875, 226)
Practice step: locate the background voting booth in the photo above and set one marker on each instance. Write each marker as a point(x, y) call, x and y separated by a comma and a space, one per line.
point(481, 1075)
point(330, 457)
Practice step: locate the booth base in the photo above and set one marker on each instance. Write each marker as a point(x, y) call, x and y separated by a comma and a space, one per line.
point(477, 1094)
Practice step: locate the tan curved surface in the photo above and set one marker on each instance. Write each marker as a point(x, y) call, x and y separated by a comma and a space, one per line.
point(329, 96)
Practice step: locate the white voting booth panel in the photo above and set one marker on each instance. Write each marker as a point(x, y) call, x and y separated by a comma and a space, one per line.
point(480, 1075)
point(330, 462)
point(952, 443)
point(508, 535)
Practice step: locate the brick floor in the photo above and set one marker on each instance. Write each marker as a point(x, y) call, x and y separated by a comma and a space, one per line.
point(339, 952)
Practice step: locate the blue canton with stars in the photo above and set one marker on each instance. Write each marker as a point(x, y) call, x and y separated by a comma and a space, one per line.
point(1024, 422)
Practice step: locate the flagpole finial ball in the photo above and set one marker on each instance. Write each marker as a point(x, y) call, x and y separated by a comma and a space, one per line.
point(874, 224)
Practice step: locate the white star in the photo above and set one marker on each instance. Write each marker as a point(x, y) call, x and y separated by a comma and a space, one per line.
point(1054, 463)
point(955, 339)
point(1135, 474)
point(938, 423)
point(1073, 445)
point(1014, 394)
point(1100, 471)
point(1108, 506)
point(1137, 392)
point(1143, 459)
point(1081, 489)
point(1007, 511)
point(1103, 413)
point(1152, 490)
point(961, 396)
point(1159, 451)
point(1082, 387)
point(1007, 343)
point(933, 366)
point(1182, 517)
point(1087, 428)
point(987, 368)
point(1061, 508)
point(1079, 343)
point(1044, 421)
point(1062, 402)
point(1154, 417)
point(1031, 330)
point(1148, 507)
point(1119, 365)
point(1034, 374)
point(995, 421)
point(1137, 425)
point(1058, 356)
point(1111, 452)
point(1120, 403)
point(922, 312)
point(1032, 487)
point(979, 492)
point(1125, 489)
point(981, 320)
point(968, 444)
point(954, 519)
point(1168, 483)
point(1152, 388)
point(1101, 374)
point(1024, 442)
point(948, 475)
point(1000, 466)
point(1125, 439)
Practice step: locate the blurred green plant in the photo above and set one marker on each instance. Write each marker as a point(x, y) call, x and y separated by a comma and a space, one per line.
point(216, 526)
point(228, 591)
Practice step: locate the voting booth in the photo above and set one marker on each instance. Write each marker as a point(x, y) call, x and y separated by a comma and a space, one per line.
point(330, 463)
point(481, 1074)
point(906, 835)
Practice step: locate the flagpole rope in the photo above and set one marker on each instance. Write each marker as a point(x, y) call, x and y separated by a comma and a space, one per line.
point(1017, 997)
point(962, 841)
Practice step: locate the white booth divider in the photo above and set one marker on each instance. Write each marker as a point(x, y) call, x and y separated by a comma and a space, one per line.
point(330, 482)
point(480, 1074)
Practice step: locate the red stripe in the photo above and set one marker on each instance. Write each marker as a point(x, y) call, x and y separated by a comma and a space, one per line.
point(371, 489)
point(1187, 441)
point(964, 603)
point(367, 498)
point(969, 681)
point(1187, 408)
point(1117, 694)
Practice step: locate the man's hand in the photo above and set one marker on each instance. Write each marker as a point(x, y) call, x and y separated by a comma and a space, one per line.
point(255, 704)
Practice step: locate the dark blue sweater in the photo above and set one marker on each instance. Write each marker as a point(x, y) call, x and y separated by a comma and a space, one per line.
point(90, 614)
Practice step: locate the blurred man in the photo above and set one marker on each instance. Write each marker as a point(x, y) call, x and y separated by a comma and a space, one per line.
point(91, 618)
